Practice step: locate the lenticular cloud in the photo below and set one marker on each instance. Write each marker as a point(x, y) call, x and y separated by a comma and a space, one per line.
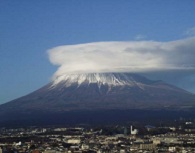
point(130, 56)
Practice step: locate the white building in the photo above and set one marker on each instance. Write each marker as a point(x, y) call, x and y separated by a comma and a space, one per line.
point(74, 141)
point(133, 131)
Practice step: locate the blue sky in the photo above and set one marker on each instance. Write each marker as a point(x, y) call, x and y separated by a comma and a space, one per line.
point(29, 28)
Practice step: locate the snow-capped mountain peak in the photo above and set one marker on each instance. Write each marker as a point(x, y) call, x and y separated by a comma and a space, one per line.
point(111, 79)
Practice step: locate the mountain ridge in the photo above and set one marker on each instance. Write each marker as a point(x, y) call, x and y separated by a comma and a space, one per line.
point(119, 96)
point(102, 91)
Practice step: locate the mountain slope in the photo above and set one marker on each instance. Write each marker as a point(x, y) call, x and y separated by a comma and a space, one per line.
point(102, 91)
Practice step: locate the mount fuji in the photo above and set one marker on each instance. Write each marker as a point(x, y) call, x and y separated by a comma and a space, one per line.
point(92, 92)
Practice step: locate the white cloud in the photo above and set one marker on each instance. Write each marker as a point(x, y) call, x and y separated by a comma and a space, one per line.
point(190, 32)
point(132, 56)
point(140, 37)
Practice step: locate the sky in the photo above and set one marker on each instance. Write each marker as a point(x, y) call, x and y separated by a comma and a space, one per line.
point(42, 39)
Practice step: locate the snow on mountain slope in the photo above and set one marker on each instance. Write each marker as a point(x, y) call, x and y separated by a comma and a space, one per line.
point(110, 79)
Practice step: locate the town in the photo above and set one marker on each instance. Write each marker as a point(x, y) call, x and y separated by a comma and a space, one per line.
point(178, 136)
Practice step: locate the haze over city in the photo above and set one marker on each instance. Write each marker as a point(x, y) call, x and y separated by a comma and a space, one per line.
point(41, 40)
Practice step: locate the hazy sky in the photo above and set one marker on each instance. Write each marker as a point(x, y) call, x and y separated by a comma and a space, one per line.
point(31, 29)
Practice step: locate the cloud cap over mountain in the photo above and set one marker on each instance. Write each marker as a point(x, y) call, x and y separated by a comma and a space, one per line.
point(127, 56)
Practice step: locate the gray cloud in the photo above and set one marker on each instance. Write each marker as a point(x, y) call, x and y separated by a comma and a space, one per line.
point(132, 56)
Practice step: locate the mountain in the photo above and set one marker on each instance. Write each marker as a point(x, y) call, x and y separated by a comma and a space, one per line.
point(100, 92)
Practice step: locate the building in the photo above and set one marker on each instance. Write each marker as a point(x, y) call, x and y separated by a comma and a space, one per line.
point(149, 146)
point(133, 131)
